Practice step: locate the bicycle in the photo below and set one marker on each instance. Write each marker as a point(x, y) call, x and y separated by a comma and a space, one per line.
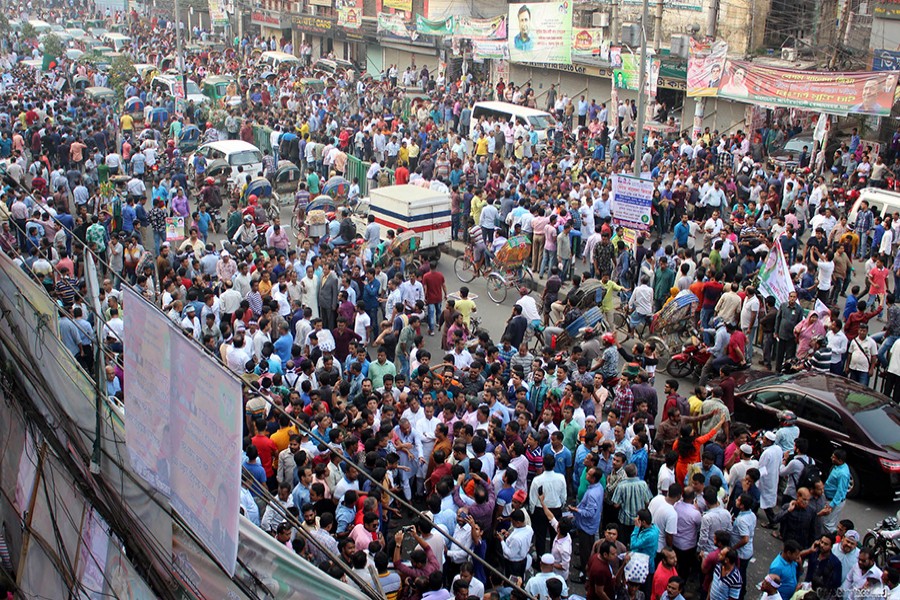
point(465, 268)
point(499, 282)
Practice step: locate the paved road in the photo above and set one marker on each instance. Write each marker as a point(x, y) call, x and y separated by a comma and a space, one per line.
point(864, 513)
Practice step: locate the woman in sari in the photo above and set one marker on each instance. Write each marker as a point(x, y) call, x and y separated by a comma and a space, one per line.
point(805, 331)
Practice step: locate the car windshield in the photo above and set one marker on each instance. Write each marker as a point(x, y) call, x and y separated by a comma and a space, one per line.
point(245, 157)
point(542, 121)
point(796, 145)
point(221, 89)
point(763, 382)
point(882, 423)
point(192, 87)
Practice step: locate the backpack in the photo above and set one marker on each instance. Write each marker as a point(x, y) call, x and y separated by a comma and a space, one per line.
point(810, 472)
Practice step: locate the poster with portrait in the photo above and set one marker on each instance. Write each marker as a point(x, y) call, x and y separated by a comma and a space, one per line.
point(541, 32)
point(705, 67)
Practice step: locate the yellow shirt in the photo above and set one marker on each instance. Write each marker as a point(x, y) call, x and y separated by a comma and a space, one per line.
point(127, 122)
point(282, 437)
point(465, 307)
point(413, 150)
point(696, 405)
point(265, 287)
point(403, 155)
point(304, 129)
point(477, 205)
point(481, 146)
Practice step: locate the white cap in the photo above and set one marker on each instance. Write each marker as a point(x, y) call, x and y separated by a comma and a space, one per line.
point(770, 435)
point(547, 559)
point(746, 448)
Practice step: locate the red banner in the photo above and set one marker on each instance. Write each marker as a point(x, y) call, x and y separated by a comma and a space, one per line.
point(869, 93)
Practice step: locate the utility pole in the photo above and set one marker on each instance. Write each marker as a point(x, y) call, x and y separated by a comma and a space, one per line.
point(179, 60)
point(657, 26)
point(712, 24)
point(614, 26)
point(642, 97)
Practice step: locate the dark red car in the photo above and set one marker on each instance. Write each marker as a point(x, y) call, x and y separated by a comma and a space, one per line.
point(833, 412)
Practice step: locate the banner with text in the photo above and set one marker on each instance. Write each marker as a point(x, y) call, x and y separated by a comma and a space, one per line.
point(885, 60)
point(404, 5)
point(394, 24)
point(627, 75)
point(868, 93)
point(775, 276)
point(481, 29)
point(632, 202)
point(441, 27)
point(483, 49)
point(184, 426)
point(705, 66)
point(217, 13)
point(543, 32)
point(589, 42)
point(349, 13)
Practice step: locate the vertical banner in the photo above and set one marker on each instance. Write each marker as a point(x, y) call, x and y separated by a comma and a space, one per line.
point(775, 276)
point(632, 202)
point(541, 32)
point(217, 13)
point(184, 426)
point(705, 67)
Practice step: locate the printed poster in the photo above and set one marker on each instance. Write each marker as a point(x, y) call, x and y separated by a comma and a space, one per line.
point(867, 93)
point(705, 67)
point(481, 29)
point(541, 32)
point(174, 229)
point(349, 13)
point(632, 202)
point(775, 276)
point(589, 42)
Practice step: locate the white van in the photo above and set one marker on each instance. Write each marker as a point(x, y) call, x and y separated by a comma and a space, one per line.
point(542, 122)
point(275, 60)
point(244, 159)
point(408, 207)
point(171, 85)
point(118, 41)
point(882, 202)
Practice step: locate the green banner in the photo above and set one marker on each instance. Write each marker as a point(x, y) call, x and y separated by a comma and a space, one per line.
point(441, 27)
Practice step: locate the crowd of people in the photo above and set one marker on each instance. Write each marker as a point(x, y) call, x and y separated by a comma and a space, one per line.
point(482, 469)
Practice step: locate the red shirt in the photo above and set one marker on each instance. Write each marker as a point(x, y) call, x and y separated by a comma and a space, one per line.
point(434, 287)
point(737, 342)
point(267, 452)
point(401, 175)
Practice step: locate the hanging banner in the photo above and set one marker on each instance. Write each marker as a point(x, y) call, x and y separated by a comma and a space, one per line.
point(775, 276)
point(485, 49)
point(349, 13)
point(217, 13)
point(404, 5)
point(885, 60)
point(393, 24)
point(481, 29)
point(627, 76)
point(632, 202)
point(705, 67)
point(441, 27)
point(589, 42)
point(543, 32)
point(868, 93)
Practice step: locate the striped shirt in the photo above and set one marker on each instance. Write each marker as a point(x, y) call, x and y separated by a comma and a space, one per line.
point(727, 587)
point(631, 495)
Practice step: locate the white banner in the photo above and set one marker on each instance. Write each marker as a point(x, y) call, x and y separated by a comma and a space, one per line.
point(632, 202)
point(184, 425)
point(775, 276)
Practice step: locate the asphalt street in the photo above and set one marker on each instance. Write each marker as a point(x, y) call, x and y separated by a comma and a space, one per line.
point(865, 513)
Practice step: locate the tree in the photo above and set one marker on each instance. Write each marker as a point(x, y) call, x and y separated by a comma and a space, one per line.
point(53, 46)
point(29, 32)
point(121, 71)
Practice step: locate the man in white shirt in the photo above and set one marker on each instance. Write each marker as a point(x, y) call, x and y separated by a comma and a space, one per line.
point(552, 486)
point(515, 544)
point(664, 516)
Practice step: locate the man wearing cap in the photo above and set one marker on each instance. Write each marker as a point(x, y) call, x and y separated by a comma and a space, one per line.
point(537, 584)
point(769, 469)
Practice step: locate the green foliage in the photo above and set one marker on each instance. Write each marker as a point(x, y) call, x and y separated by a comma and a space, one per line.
point(120, 73)
point(4, 24)
point(53, 46)
point(28, 31)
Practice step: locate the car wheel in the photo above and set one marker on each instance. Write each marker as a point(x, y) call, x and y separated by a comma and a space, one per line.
point(856, 486)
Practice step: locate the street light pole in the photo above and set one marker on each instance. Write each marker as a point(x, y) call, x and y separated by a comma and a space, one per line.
point(179, 61)
point(642, 98)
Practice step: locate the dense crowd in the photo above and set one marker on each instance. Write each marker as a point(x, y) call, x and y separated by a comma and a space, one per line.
point(482, 469)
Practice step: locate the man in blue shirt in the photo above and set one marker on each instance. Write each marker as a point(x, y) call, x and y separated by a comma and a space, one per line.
point(639, 456)
point(587, 516)
point(836, 487)
point(787, 566)
point(682, 232)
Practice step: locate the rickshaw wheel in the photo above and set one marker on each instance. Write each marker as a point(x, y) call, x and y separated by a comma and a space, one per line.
point(663, 352)
point(496, 288)
point(620, 323)
point(464, 269)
